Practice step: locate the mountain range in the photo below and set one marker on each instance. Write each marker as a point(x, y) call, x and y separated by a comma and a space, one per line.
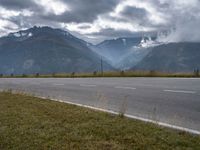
point(145, 53)
point(46, 50)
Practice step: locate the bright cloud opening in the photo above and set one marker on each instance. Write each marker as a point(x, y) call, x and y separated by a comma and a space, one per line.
point(51, 6)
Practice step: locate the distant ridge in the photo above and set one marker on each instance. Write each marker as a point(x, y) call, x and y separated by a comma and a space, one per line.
point(172, 57)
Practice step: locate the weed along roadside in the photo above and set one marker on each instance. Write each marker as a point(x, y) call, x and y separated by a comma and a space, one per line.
point(28, 122)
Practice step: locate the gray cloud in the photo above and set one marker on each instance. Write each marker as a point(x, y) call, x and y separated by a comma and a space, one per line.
point(88, 10)
point(17, 4)
point(109, 33)
point(104, 19)
point(82, 11)
point(134, 13)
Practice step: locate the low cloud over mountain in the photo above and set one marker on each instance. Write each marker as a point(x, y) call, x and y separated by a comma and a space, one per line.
point(106, 19)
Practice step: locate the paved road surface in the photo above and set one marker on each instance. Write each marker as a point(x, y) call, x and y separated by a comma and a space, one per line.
point(168, 100)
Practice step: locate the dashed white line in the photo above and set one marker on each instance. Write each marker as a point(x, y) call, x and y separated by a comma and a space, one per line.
point(35, 83)
point(87, 85)
point(180, 91)
point(56, 84)
point(123, 87)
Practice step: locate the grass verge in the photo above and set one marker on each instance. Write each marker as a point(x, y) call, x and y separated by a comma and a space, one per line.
point(108, 74)
point(32, 123)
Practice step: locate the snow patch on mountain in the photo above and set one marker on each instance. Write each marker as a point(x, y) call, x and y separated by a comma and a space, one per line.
point(124, 42)
point(22, 34)
point(16, 34)
point(148, 42)
point(30, 34)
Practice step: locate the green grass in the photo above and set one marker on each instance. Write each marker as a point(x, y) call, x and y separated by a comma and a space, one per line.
point(32, 123)
point(109, 74)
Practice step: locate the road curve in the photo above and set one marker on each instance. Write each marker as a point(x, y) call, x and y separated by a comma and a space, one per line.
point(174, 101)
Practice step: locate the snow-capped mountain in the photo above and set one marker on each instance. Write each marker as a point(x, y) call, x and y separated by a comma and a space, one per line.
point(125, 52)
point(46, 50)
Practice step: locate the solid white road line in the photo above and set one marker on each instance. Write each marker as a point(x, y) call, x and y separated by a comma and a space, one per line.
point(192, 131)
point(180, 91)
point(123, 87)
point(87, 85)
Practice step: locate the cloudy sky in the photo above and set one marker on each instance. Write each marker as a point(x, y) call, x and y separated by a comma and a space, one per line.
point(97, 20)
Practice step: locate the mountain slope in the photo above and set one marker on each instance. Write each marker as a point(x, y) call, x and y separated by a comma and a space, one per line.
point(113, 49)
point(174, 57)
point(124, 53)
point(131, 59)
point(46, 50)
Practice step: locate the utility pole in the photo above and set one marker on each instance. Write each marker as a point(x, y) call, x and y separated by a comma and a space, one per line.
point(101, 66)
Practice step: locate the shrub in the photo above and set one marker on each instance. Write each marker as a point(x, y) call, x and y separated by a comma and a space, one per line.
point(24, 75)
point(196, 72)
point(53, 74)
point(122, 73)
point(95, 73)
point(73, 74)
point(37, 74)
point(152, 73)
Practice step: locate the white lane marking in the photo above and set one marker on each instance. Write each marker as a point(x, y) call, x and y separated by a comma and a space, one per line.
point(123, 87)
point(87, 85)
point(192, 131)
point(35, 83)
point(56, 84)
point(180, 91)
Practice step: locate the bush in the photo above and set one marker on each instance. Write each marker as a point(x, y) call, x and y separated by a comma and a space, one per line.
point(122, 73)
point(24, 75)
point(95, 73)
point(73, 74)
point(196, 72)
point(53, 74)
point(37, 74)
point(152, 73)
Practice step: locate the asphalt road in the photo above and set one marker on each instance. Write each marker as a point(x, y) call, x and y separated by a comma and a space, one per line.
point(170, 100)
